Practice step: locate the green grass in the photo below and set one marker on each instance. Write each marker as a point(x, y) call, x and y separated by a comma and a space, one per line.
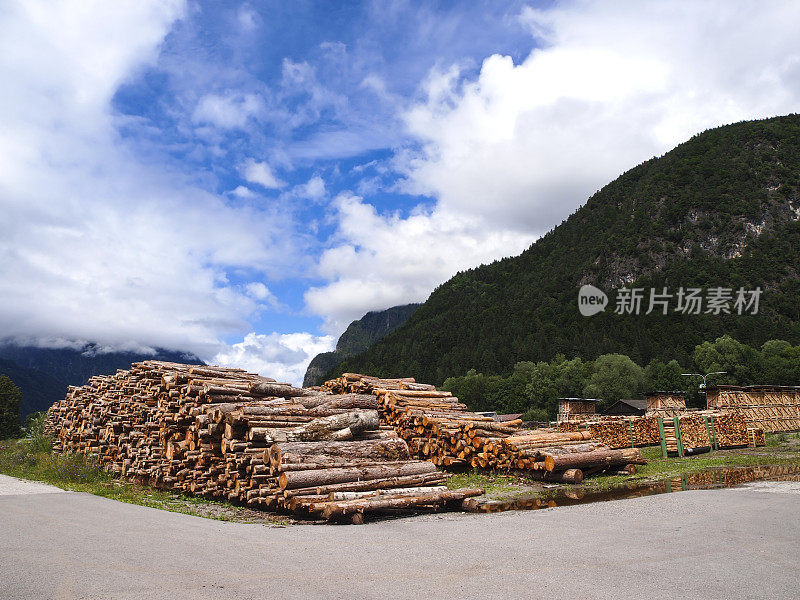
point(33, 459)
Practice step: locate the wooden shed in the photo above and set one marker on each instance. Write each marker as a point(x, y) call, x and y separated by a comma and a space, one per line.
point(628, 408)
point(773, 408)
point(570, 409)
point(665, 403)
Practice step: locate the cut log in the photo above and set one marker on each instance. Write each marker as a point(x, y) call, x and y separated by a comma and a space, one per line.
point(280, 390)
point(331, 510)
point(300, 479)
point(295, 452)
point(606, 458)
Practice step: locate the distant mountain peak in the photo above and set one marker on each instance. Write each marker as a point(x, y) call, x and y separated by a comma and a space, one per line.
point(358, 336)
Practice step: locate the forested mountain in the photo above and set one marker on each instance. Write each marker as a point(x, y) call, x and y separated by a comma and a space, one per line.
point(358, 336)
point(43, 374)
point(720, 210)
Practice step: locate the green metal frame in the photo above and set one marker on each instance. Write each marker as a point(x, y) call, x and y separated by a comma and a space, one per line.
point(678, 436)
point(712, 436)
point(663, 437)
point(714, 431)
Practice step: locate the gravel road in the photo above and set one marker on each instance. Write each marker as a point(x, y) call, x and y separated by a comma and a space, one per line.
point(731, 543)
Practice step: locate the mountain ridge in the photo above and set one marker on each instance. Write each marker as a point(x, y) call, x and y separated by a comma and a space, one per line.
point(358, 336)
point(719, 209)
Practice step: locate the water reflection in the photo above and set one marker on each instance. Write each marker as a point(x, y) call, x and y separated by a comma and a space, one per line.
point(721, 477)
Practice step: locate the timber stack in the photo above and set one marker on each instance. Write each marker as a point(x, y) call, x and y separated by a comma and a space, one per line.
point(618, 432)
point(439, 428)
point(704, 430)
point(224, 433)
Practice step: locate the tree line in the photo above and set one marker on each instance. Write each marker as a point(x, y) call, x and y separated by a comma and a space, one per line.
point(533, 388)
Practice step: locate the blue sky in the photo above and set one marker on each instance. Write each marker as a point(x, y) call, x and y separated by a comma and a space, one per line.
point(242, 179)
point(329, 79)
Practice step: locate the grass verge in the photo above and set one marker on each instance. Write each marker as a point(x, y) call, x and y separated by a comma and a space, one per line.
point(33, 459)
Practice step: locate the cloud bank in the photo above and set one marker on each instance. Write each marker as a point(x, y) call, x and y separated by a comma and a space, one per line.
point(509, 153)
point(160, 186)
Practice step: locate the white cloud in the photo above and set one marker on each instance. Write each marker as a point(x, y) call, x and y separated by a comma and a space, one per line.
point(508, 154)
point(249, 19)
point(614, 85)
point(258, 290)
point(95, 245)
point(231, 110)
point(261, 173)
point(243, 192)
point(313, 189)
point(284, 357)
point(383, 261)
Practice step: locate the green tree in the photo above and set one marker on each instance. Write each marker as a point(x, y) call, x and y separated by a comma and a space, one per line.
point(10, 397)
point(741, 363)
point(666, 376)
point(780, 363)
point(615, 377)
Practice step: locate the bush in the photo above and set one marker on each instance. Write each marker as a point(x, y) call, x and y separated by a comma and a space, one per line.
point(10, 397)
point(536, 414)
point(35, 431)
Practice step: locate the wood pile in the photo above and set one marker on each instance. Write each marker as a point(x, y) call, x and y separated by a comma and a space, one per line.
point(439, 428)
point(559, 457)
point(576, 409)
point(365, 384)
point(618, 432)
point(706, 430)
point(227, 434)
point(665, 404)
point(772, 408)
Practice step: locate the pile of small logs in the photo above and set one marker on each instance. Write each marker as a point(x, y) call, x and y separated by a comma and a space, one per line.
point(364, 384)
point(618, 432)
point(439, 428)
point(702, 430)
point(224, 433)
point(561, 457)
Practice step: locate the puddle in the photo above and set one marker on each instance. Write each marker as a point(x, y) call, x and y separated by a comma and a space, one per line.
point(709, 479)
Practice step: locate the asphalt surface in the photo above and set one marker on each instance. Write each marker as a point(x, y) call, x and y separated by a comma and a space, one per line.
point(732, 543)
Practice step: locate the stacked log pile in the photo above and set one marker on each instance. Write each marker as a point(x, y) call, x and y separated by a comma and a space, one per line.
point(704, 430)
point(211, 431)
point(561, 457)
point(439, 428)
point(772, 408)
point(665, 404)
point(618, 432)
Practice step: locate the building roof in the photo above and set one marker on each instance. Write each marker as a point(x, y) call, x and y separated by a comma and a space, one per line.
point(580, 399)
point(634, 403)
point(641, 404)
point(510, 417)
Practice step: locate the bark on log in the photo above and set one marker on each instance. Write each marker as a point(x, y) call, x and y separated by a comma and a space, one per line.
point(332, 510)
point(280, 390)
point(606, 458)
point(293, 452)
point(300, 479)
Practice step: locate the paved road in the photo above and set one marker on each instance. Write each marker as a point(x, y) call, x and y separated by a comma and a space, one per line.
point(734, 543)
